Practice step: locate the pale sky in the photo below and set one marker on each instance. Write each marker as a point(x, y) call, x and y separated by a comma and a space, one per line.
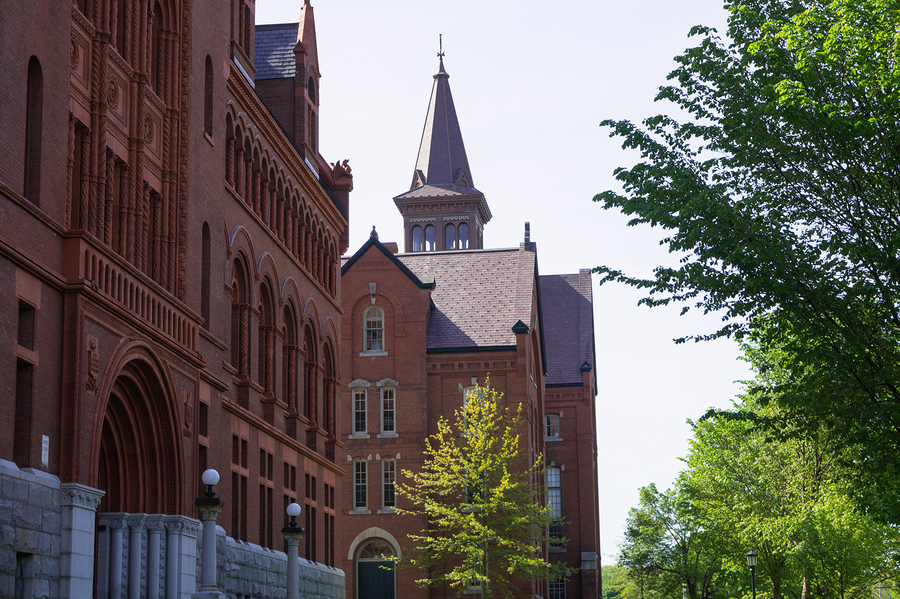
point(531, 82)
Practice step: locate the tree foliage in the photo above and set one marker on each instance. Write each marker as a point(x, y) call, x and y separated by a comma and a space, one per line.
point(479, 489)
point(780, 193)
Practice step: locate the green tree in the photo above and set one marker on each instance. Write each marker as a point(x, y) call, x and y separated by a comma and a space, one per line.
point(667, 548)
point(479, 489)
point(780, 194)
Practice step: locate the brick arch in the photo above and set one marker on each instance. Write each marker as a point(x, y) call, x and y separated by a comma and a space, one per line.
point(137, 453)
point(372, 534)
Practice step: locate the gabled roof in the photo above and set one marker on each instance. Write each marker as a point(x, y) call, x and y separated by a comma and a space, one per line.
point(478, 298)
point(567, 309)
point(426, 283)
point(442, 155)
point(275, 51)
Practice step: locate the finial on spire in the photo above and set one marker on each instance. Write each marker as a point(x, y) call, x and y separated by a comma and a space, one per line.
point(374, 233)
point(441, 47)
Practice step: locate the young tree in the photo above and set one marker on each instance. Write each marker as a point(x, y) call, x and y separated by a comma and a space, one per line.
point(480, 490)
point(781, 195)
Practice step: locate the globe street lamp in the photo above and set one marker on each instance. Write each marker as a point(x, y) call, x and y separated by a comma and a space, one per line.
point(292, 533)
point(752, 558)
point(209, 508)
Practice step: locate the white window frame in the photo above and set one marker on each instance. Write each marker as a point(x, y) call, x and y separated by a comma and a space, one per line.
point(388, 469)
point(554, 499)
point(367, 342)
point(393, 410)
point(357, 391)
point(360, 485)
point(549, 428)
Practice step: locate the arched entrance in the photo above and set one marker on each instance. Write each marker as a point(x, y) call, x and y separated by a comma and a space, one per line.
point(140, 466)
point(375, 571)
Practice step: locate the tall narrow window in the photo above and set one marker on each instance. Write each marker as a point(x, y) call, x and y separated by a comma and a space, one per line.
point(374, 329)
point(204, 276)
point(417, 239)
point(554, 498)
point(388, 476)
point(450, 237)
point(429, 238)
point(387, 411)
point(34, 111)
point(359, 411)
point(359, 484)
point(463, 236)
point(558, 587)
point(208, 98)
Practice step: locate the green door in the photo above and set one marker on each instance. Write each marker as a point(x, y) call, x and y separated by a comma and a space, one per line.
point(375, 579)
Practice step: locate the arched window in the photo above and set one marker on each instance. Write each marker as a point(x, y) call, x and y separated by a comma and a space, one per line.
point(450, 237)
point(373, 324)
point(463, 236)
point(208, 98)
point(429, 238)
point(417, 239)
point(34, 112)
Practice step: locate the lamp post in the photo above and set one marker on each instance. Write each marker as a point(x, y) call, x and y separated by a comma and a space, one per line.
point(752, 558)
point(209, 508)
point(292, 534)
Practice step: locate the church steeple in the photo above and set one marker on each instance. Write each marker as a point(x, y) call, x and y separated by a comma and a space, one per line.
point(442, 209)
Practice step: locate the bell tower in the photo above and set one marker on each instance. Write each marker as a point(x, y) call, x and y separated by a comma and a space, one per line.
point(442, 209)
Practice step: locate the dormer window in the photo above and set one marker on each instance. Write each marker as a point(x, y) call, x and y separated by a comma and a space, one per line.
point(373, 331)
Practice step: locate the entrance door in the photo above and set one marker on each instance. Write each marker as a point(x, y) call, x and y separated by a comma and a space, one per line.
point(374, 573)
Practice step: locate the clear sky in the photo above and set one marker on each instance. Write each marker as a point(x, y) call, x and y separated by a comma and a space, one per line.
point(531, 82)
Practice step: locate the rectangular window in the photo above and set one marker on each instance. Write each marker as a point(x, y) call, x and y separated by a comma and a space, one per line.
point(359, 410)
point(554, 498)
point(552, 425)
point(387, 411)
point(389, 476)
point(359, 484)
point(558, 587)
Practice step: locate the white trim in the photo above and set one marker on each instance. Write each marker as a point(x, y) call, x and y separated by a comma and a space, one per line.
point(374, 533)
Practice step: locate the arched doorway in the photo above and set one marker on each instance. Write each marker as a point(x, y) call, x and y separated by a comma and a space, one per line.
point(375, 571)
point(140, 466)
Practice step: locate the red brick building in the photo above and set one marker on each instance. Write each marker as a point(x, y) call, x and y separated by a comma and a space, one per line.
point(421, 327)
point(169, 246)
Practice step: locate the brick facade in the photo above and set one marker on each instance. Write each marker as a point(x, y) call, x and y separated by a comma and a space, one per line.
point(170, 260)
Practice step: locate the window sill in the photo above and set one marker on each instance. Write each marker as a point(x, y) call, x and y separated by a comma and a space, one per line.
point(373, 352)
point(553, 439)
point(472, 591)
point(386, 510)
point(359, 436)
point(556, 549)
point(386, 435)
point(359, 511)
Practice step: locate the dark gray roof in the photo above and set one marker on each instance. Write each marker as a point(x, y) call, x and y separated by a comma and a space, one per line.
point(275, 51)
point(442, 155)
point(567, 310)
point(478, 296)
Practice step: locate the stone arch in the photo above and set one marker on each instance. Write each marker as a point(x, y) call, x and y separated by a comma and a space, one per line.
point(137, 452)
point(371, 534)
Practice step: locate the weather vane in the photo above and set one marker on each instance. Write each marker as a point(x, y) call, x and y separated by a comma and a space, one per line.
point(440, 46)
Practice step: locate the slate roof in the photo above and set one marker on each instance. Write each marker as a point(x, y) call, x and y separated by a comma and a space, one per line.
point(566, 306)
point(439, 191)
point(275, 51)
point(442, 154)
point(478, 295)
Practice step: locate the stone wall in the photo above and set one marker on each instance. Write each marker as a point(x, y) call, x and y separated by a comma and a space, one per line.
point(248, 571)
point(30, 529)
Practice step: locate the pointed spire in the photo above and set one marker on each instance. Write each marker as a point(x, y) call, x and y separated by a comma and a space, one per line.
point(442, 154)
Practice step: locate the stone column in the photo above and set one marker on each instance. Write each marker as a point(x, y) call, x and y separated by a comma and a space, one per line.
point(76, 559)
point(181, 558)
point(135, 540)
point(154, 530)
